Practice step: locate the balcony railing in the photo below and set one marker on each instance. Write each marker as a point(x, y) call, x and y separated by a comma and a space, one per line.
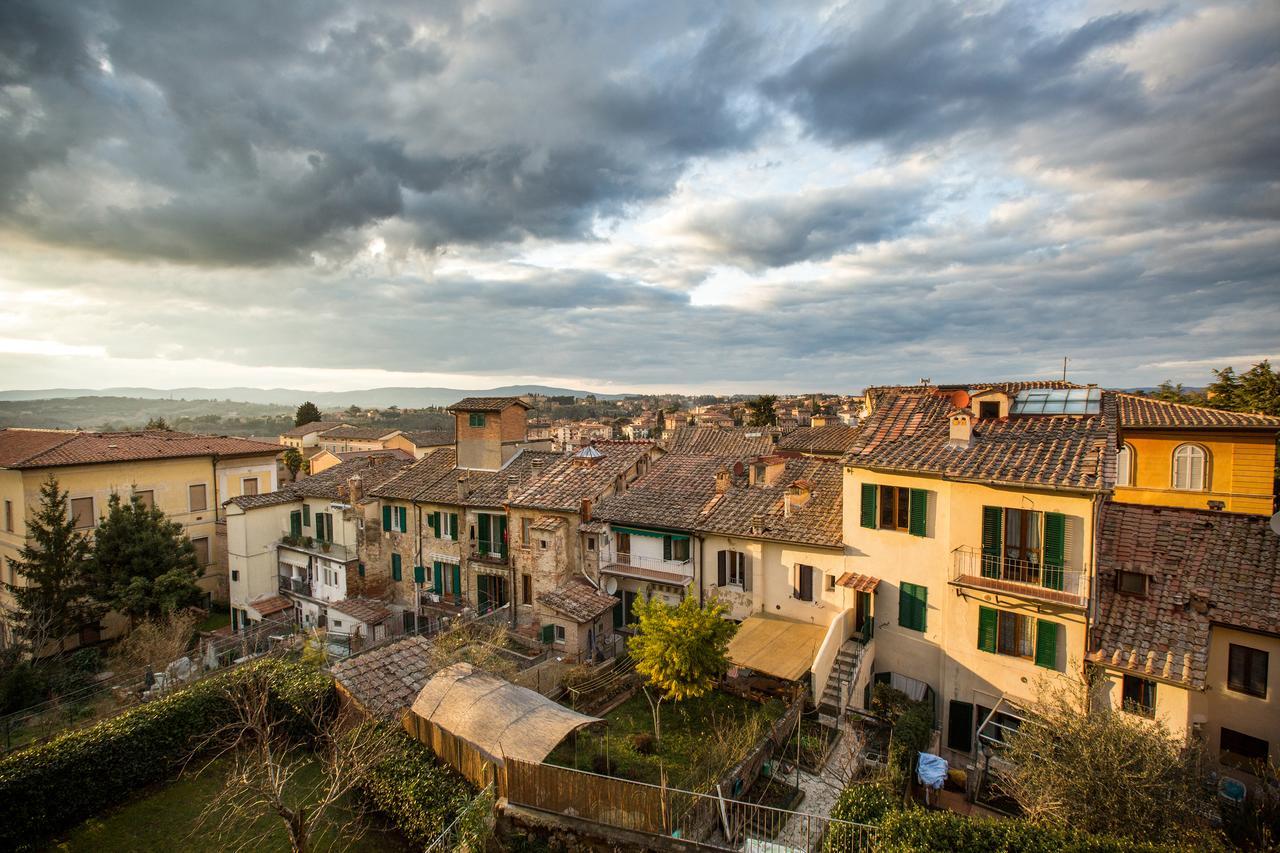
point(297, 586)
point(488, 553)
point(1024, 578)
point(651, 568)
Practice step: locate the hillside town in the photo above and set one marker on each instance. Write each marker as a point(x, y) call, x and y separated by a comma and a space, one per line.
point(967, 548)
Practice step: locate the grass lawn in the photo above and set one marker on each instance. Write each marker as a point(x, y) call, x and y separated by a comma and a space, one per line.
point(219, 617)
point(165, 818)
point(690, 750)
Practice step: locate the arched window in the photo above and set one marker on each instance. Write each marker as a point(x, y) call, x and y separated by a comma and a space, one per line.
point(1189, 468)
point(1124, 465)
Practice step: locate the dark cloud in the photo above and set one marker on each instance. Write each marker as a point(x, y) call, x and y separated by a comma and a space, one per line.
point(778, 231)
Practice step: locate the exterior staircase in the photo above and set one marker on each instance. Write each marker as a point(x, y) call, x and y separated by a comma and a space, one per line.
point(843, 673)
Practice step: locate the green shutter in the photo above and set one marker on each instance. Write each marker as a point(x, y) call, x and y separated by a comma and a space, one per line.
point(437, 577)
point(295, 523)
point(484, 533)
point(404, 518)
point(433, 522)
point(666, 547)
point(992, 540)
point(548, 633)
point(360, 569)
point(395, 567)
point(912, 606)
point(922, 608)
point(453, 525)
point(919, 512)
point(1046, 644)
point(869, 505)
point(306, 515)
point(1055, 544)
point(986, 629)
point(457, 582)
point(386, 518)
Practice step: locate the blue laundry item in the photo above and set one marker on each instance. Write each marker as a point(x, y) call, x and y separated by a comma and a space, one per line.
point(931, 770)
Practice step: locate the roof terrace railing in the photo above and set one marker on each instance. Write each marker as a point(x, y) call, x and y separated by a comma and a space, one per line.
point(1024, 578)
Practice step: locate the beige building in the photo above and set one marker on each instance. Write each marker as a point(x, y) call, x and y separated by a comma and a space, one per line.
point(346, 439)
point(308, 435)
point(187, 476)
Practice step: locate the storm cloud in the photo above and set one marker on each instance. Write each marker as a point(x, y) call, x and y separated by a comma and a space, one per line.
point(687, 194)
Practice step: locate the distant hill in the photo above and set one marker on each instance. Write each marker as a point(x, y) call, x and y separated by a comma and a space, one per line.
point(379, 398)
point(97, 412)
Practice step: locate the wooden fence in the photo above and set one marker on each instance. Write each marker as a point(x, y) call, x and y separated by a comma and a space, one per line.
point(480, 768)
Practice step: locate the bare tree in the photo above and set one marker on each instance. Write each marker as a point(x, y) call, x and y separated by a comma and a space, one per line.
point(268, 770)
point(478, 644)
point(156, 642)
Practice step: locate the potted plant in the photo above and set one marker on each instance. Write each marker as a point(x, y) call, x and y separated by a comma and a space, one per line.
point(308, 541)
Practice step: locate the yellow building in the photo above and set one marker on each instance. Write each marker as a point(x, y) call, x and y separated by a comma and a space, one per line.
point(308, 435)
point(1188, 627)
point(326, 459)
point(187, 476)
point(1195, 457)
point(974, 509)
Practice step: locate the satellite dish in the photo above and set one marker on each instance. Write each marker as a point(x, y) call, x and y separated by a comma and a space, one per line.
point(611, 585)
point(1275, 524)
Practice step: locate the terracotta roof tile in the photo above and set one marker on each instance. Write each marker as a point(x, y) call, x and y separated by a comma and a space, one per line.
point(567, 480)
point(1138, 412)
point(87, 448)
point(331, 483)
point(486, 404)
point(435, 479)
point(578, 600)
point(388, 678)
point(835, 439)
point(910, 431)
point(364, 610)
point(719, 441)
point(429, 437)
point(358, 433)
point(314, 426)
point(1229, 560)
point(269, 604)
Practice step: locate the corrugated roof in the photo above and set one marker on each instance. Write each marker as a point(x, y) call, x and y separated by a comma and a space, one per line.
point(1229, 560)
point(35, 448)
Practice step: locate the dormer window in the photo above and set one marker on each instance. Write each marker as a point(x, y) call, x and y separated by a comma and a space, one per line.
point(1131, 583)
point(988, 410)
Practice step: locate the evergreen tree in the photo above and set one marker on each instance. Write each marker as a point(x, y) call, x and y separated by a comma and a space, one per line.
point(1171, 393)
point(143, 564)
point(761, 411)
point(1260, 390)
point(308, 413)
point(293, 461)
point(1225, 392)
point(54, 599)
point(158, 423)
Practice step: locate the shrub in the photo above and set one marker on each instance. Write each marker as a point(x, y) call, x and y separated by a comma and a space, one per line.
point(420, 795)
point(55, 785)
point(866, 804)
point(918, 831)
point(644, 743)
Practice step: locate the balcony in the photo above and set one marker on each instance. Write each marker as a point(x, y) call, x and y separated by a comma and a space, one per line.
point(656, 569)
point(485, 553)
point(296, 586)
point(1023, 578)
point(317, 548)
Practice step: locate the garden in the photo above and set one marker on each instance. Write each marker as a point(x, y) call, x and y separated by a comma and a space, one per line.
point(702, 738)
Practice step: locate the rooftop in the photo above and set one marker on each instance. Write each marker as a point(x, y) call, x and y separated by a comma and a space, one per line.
point(385, 680)
point(21, 448)
point(835, 439)
point(722, 441)
point(1138, 412)
point(578, 600)
point(1203, 568)
point(332, 483)
point(358, 433)
point(910, 431)
point(435, 479)
point(364, 610)
point(307, 429)
point(429, 437)
point(567, 480)
point(486, 404)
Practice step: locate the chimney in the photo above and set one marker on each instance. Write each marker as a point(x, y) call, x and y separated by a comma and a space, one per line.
point(535, 465)
point(513, 485)
point(819, 420)
point(757, 524)
point(961, 429)
point(798, 494)
point(464, 488)
point(1199, 601)
point(585, 511)
point(354, 489)
point(722, 481)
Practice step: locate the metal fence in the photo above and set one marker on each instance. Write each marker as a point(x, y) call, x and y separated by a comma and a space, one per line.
point(706, 819)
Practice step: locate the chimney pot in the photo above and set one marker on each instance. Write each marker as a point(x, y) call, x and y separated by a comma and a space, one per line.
point(961, 429)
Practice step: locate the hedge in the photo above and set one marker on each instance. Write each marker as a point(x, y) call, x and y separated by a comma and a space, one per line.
point(416, 792)
point(53, 786)
point(915, 830)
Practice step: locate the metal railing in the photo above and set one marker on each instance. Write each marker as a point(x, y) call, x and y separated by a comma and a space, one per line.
point(487, 554)
point(471, 828)
point(1031, 578)
point(675, 567)
point(710, 820)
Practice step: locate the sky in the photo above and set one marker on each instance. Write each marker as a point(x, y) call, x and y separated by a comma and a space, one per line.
point(697, 196)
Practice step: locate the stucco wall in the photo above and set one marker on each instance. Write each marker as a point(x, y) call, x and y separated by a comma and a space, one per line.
point(1240, 470)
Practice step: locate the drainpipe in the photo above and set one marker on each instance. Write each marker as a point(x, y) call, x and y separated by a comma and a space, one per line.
point(213, 460)
point(698, 573)
point(417, 590)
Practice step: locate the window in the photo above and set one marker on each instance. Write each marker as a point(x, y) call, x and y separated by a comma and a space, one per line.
point(306, 515)
point(493, 534)
point(235, 575)
point(1247, 670)
point(295, 524)
point(8, 516)
point(443, 524)
point(542, 544)
point(895, 508)
point(591, 543)
point(397, 573)
point(249, 486)
point(324, 526)
point(732, 570)
point(1131, 583)
point(913, 606)
point(1124, 466)
point(146, 497)
point(337, 623)
point(1024, 546)
point(202, 550)
point(675, 548)
point(1013, 634)
point(82, 513)
point(394, 519)
point(1239, 749)
point(1022, 537)
point(1189, 464)
point(196, 499)
point(526, 589)
point(988, 410)
point(804, 582)
point(559, 633)
point(831, 583)
point(475, 419)
point(624, 546)
point(526, 537)
point(1138, 696)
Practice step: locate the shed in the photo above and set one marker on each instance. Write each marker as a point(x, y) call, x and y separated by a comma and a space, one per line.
point(776, 646)
point(495, 717)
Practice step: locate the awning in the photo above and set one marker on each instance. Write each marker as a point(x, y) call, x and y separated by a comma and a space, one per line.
point(857, 582)
point(776, 646)
point(499, 718)
point(655, 575)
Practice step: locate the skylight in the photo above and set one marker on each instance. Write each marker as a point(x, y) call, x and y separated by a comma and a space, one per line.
point(1058, 401)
